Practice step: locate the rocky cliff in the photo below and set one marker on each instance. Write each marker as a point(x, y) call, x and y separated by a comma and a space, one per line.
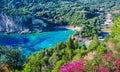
point(21, 24)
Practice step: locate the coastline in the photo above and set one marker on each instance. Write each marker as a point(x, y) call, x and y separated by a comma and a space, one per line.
point(55, 28)
point(71, 27)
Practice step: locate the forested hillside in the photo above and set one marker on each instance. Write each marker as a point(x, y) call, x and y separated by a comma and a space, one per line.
point(60, 11)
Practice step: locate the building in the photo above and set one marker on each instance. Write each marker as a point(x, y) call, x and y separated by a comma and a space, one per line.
point(108, 22)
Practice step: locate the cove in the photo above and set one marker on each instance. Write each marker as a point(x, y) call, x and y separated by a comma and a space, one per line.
point(31, 43)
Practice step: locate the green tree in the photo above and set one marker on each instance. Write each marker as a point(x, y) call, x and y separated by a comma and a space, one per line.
point(94, 44)
point(13, 58)
point(116, 28)
point(58, 64)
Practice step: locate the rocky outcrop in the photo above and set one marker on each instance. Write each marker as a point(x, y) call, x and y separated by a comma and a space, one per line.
point(21, 24)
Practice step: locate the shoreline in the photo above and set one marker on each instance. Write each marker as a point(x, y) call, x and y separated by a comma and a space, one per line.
point(55, 28)
point(71, 27)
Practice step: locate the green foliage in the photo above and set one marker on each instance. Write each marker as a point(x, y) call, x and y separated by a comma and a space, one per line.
point(75, 12)
point(70, 44)
point(94, 44)
point(116, 28)
point(58, 64)
point(12, 58)
point(101, 49)
point(118, 46)
point(27, 68)
point(115, 35)
point(90, 28)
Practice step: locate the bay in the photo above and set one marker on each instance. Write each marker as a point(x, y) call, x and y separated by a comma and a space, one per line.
point(31, 43)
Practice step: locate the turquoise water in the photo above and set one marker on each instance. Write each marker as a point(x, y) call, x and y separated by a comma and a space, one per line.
point(31, 43)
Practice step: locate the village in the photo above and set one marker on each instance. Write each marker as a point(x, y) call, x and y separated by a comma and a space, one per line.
point(105, 31)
